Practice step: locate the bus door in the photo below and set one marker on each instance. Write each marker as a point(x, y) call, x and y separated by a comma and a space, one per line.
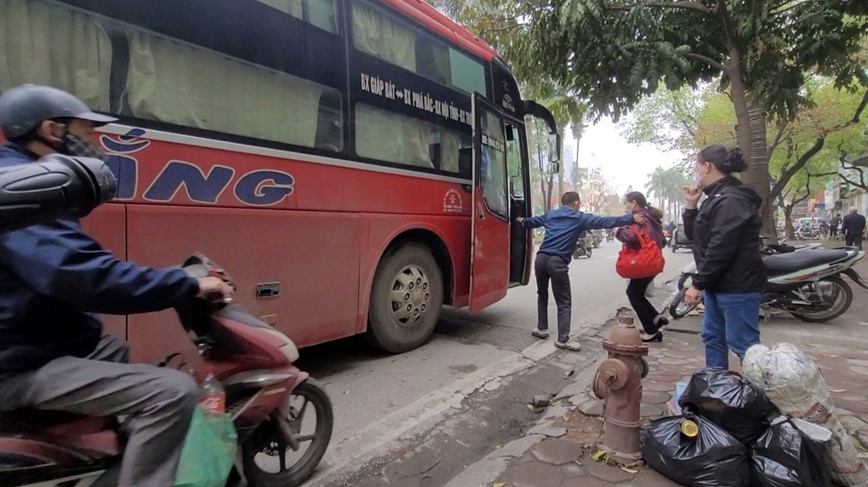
point(489, 266)
point(520, 238)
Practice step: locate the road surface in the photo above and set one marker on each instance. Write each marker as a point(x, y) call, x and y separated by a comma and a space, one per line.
point(379, 399)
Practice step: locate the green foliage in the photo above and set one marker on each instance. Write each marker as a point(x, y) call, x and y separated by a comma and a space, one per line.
point(613, 54)
point(666, 119)
point(811, 143)
point(664, 188)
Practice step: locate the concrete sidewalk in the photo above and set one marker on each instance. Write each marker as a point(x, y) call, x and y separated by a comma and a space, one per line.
point(557, 451)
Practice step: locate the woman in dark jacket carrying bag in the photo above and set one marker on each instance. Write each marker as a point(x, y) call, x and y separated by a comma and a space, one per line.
point(651, 320)
point(726, 248)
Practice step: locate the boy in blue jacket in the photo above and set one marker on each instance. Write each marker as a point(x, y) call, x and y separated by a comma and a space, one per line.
point(562, 229)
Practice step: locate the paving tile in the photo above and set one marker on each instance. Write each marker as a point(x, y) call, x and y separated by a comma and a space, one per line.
point(673, 361)
point(557, 451)
point(655, 397)
point(533, 474)
point(855, 406)
point(859, 370)
point(658, 386)
point(679, 354)
point(648, 477)
point(656, 376)
point(652, 410)
point(844, 396)
point(572, 470)
point(594, 407)
point(586, 482)
point(605, 472)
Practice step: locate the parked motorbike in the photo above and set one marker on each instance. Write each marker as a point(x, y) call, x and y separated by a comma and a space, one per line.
point(806, 282)
point(283, 418)
point(678, 308)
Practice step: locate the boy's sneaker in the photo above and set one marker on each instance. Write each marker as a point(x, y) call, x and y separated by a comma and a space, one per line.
point(540, 333)
point(572, 345)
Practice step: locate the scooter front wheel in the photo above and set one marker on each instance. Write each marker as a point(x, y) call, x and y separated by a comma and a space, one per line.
point(679, 308)
point(270, 461)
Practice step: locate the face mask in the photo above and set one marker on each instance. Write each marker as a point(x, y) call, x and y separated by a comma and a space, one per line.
point(699, 177)
point(73, 145)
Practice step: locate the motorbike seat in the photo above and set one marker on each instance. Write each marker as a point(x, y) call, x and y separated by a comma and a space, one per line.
point(794, 261)
point(32, 419)
point(69, 430)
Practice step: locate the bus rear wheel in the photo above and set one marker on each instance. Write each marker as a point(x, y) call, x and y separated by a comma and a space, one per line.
point(406, 298)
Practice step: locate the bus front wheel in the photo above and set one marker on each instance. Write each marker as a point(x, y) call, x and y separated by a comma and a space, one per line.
point(405, 299)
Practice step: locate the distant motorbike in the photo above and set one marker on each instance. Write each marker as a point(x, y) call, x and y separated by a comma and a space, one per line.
point(805, 281)
point(596, 238)
point(610, 236)
point(584, 247)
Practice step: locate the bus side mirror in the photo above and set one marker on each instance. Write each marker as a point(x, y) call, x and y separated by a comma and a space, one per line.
point(554, 148)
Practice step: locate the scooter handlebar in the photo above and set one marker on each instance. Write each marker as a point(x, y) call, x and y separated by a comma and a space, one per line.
point(56, 186)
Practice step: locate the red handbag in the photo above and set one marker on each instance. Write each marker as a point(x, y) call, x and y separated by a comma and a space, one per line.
point(647, 261)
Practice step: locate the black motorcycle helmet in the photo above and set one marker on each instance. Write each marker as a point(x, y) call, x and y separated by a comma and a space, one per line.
point(24, 107)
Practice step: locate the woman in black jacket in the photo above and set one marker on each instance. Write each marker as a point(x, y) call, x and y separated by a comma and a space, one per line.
point(726, 248)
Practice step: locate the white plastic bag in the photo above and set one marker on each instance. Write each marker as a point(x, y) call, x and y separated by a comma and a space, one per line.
point(796, 386)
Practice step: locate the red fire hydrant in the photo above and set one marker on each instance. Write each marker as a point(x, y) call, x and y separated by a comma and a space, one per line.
point(619, 383)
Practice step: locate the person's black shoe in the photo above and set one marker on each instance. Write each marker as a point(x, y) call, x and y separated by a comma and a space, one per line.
point(657, 337)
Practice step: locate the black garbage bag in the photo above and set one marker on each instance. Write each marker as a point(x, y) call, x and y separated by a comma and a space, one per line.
point(791, 453)
point(711, 458)
point(731, 402)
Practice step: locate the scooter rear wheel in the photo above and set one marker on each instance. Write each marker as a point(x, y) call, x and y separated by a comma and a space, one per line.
point(842, 298)
point(269, 461)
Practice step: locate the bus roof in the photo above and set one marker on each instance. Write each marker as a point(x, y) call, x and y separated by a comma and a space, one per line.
point(423, 13)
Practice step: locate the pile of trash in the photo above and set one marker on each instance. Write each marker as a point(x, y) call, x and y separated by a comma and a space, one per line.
point(774, 426)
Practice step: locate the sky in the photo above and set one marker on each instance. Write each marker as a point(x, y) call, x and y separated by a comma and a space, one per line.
point(622, 163)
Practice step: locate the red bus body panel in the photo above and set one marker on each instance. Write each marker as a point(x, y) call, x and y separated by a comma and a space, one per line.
point(321, 242)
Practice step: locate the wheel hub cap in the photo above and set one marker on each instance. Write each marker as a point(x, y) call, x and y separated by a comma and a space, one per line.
point(411, 295)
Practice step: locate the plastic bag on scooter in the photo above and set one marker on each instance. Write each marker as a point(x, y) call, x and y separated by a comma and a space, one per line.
point(701, 456)
point(731, 402)
point(208, 453)
point(791, 454)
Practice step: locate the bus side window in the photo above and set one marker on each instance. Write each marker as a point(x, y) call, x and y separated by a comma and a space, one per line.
point(465, 161)
point(57, 47)
point(320, 13)
point(329, 130)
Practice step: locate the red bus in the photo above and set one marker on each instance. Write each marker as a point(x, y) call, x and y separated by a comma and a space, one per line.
point(354, 164)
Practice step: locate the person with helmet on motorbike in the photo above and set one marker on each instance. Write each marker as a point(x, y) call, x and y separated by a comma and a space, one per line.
point(54, 277)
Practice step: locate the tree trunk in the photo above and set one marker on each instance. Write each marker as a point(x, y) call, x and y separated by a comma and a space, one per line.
point(548, 194)
point(751, 133)
point(562, 162)
point(788, 222)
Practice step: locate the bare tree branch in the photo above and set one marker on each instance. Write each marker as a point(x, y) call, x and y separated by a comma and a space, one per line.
point(862, 183)
point(807, 195)
point(787, 174)
point(707, 60)
point(860, 108)
point(677, 4)
point(783, 128)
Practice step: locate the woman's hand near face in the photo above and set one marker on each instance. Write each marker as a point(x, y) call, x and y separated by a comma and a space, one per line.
point(691, 196)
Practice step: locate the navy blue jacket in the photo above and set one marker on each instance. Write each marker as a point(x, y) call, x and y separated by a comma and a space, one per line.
point(564, 225)
point(53, 276)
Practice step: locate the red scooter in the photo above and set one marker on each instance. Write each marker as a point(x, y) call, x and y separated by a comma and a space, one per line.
point(283, 418)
